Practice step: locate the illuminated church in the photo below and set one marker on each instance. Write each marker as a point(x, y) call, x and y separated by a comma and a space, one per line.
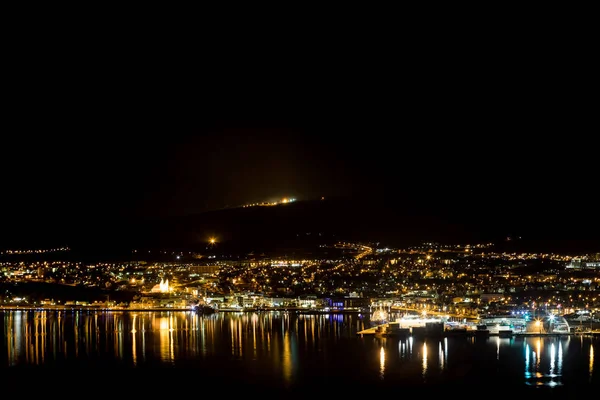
point(162, 287)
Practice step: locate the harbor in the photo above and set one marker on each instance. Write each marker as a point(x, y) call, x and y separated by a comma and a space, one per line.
point(507, 326)
point(385, 330)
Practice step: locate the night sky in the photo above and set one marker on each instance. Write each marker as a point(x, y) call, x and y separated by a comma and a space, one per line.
point(81, 152)
point(59, 183)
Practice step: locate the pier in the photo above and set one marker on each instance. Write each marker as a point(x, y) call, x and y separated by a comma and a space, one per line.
point(382, 330)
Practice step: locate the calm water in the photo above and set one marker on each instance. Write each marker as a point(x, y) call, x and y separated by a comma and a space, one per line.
point(300, 354)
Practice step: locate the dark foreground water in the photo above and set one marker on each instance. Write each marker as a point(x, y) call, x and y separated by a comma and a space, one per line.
point(178, 354)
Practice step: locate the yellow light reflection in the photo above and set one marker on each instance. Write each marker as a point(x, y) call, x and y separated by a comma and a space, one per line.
point(287, 358)
point(143, 338)
point(424, 359)
point(232, 327)
point(120, 337)
point(115, 335)
point(28, 345)
point(76, 329)
point(240, 329)
point(591, 360)
point(171, 340)
point(133, 344)
point(254, 321)
point(40, 333)
point(381, 362)
point(164, 334)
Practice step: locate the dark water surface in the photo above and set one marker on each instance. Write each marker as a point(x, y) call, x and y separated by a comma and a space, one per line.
point(179, 354)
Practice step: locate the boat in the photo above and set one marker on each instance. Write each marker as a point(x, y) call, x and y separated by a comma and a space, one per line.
point(379, 317)
point(395, 329)
point(482, 331)
point(506, 333)
point(380, 331)
point(204, 309)
point(502, 324)
point(420, 321)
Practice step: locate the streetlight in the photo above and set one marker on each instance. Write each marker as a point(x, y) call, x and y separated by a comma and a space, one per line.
point(212, 241)
point(551, 318)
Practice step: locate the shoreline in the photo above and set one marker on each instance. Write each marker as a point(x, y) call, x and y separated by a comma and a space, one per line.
point(303, 311)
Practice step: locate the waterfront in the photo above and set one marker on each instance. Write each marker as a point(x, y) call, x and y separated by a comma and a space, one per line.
point(278, 351)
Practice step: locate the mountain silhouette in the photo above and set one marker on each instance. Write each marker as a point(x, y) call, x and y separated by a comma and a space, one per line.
point(305, 224)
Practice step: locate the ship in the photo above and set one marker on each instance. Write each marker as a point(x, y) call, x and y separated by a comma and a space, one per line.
point(379, 317)
point(204, 309)
point(502, 324)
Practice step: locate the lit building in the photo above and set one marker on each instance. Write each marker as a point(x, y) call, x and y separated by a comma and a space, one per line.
point(162, 287)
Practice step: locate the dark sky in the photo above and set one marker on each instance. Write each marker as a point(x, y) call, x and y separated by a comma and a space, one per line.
point(460, 169)
point(493, 138)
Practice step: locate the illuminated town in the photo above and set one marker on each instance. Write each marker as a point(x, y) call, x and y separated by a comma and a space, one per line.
point(460, 281)
point(287, 230)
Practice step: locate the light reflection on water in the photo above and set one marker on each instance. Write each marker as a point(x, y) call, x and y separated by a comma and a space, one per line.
point(43, 337)
point(382, 362)
point(284, 347)
point(543, 358)
point(549, 374)
point(424, 359)
point(591, 368)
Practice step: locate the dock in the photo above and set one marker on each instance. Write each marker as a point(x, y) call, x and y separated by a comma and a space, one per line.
point(369, 331)
point(380, 330)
